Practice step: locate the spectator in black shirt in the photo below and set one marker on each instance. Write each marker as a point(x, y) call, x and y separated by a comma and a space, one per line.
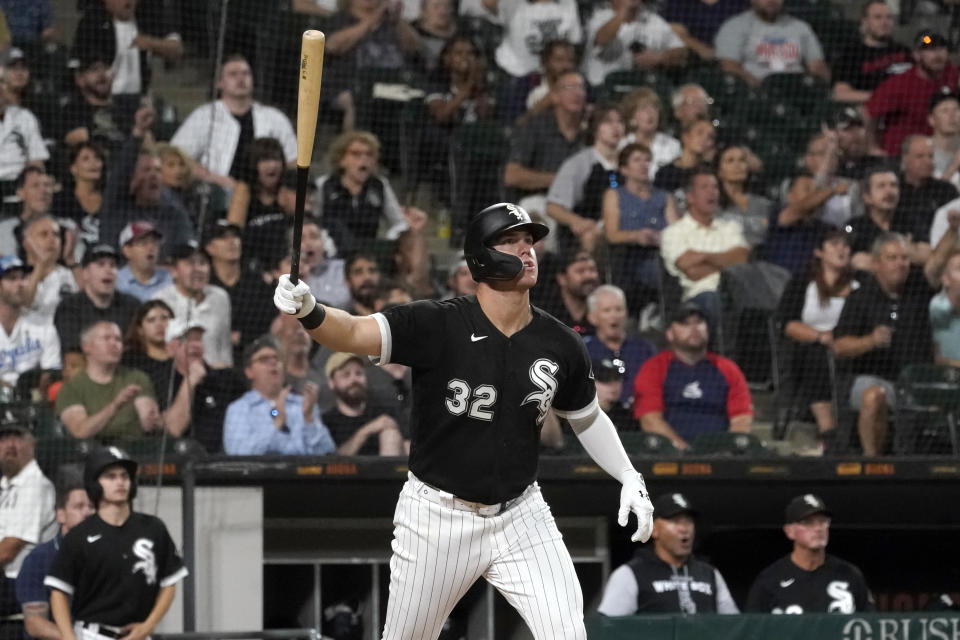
point(364, 282)
point(89, 113)
point(698, 147)
point(249, 294)
point(881, 195)
point(78, 207)
point(567, 302)
point(854, 155)
point(809, 580)
point(608, 377)
point(192, 395)
point(97, 300)
point(145, 343)
point(808, 313)
point(358, 427)
point(668, 578)
point(255, 206)
point(365, 34)
point(920, 193)
point(883, 327)
point(860, 66)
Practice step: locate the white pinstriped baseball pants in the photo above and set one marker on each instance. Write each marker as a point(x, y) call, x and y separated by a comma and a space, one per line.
point(439, 552)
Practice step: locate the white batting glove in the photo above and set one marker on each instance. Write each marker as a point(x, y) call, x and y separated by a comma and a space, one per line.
point(295, 300)
point(634, 497)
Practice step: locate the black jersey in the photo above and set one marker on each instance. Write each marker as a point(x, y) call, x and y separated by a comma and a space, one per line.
point(113, 574)
point(479, 397)
point(663, 589)
point(835, 587)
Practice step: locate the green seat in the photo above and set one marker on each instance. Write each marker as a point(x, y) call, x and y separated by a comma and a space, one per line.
point(930, 394)
point(645, 443)
point(728, 444)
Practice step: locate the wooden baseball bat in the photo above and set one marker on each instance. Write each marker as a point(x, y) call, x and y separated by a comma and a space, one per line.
point(308, 104)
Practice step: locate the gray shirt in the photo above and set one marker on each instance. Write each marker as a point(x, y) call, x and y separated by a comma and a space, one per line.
point(753, 220)
point(538, 144)
point(785, 46)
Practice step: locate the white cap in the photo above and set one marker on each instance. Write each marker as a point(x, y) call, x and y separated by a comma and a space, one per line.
point(177, 328)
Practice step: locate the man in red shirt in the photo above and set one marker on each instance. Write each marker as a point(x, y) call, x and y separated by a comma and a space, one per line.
point(902, 101)
point(685, 390)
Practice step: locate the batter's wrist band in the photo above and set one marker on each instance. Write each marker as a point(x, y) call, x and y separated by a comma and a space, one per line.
point(315, 318)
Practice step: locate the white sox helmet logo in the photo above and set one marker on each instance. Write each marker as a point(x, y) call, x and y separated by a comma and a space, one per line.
point(515, 212)
point(542, 375)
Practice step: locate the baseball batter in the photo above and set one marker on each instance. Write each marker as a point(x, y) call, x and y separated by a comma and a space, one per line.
point(486, 371)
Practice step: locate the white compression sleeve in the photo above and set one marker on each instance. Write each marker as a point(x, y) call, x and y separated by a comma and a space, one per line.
point(599, 438)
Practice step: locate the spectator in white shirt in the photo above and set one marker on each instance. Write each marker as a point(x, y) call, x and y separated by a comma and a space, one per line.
point(21, 143)
point(642, 112)
point(24, 344)
point(627, 35)
point(194, 299)
point(221, 149)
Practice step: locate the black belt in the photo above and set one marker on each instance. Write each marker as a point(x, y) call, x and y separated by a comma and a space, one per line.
point(104, 630)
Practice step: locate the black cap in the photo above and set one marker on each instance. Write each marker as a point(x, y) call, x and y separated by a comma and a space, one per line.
point(608, 370)
point(98, 251)
point(14, 428)
point(15, 54)
point(85, 57)
point(672, 504)
point(845, 118)
point(220, 227)
point(686, 310)
point(186, 250)
point(942, 94)
point(929, 39)
point(805, 506)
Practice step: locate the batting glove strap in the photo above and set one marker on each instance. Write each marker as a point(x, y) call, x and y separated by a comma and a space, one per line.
point(315, 318)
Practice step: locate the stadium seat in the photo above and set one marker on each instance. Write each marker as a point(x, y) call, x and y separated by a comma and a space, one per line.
point(477, 153)
point(52, 452)
point(644, 443)
point(928, 399)
point(804, 91)
point(728, 444)
point(620, 83)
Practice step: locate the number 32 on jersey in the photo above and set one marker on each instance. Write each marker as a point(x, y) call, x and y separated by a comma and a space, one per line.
point(477, 402)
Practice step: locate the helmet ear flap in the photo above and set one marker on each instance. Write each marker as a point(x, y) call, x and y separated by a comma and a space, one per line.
point(484, 262)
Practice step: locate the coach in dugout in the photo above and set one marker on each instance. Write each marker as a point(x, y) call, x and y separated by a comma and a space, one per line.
point(667, 578)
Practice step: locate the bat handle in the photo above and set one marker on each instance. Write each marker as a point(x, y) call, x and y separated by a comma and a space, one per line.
point(302, 175)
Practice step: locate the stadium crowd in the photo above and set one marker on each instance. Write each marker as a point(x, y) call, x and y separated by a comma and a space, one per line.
point(709, 169)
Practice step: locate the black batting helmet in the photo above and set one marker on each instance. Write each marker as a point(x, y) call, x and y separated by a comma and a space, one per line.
point(97, 462)
point(484, 262)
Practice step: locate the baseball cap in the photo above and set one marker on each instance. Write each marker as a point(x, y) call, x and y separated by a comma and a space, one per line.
point(12, 263)
point(265, 341)
point(338, 359)
point(14, 428)
point(98, 251)
point(845, 118)
point(805, 506)
point(942, 94)
point(607, 370)
point(136, 230)
point(87, 57)
point(15, 54)
point(929, 39)
point(669, 505)
point(686, 310)
point(177, 328)
point(186, 250)
point(220, 227)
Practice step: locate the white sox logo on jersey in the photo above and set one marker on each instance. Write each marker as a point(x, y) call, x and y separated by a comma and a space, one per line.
point(542, 375)
point(143, 549)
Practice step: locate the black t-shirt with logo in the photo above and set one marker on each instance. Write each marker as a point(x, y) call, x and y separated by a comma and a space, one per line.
point(664, 589)
point(114, 574)
point(479, 397)
point(863, 67)
point(835, 587)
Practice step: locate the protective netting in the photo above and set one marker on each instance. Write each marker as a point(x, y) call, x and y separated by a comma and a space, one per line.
point(679, 153)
